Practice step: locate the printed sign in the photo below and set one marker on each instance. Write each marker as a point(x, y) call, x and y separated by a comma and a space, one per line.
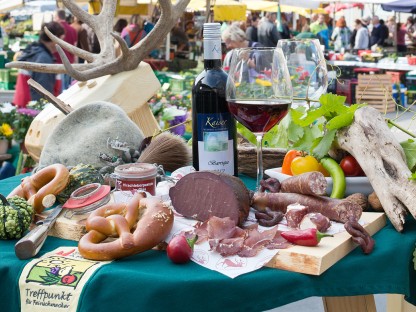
point(54, 281)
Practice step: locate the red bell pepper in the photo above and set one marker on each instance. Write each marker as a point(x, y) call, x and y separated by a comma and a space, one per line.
point(308, 237)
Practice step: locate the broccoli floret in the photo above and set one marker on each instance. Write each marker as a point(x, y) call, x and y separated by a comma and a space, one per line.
point(15, 219)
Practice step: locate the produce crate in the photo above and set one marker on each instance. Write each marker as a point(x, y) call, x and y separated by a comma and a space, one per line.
point(376, 91)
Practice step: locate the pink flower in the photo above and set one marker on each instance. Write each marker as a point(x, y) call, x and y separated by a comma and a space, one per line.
point(173, 98)
point(28, 112)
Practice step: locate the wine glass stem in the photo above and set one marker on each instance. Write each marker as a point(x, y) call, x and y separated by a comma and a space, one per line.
point(259, 139)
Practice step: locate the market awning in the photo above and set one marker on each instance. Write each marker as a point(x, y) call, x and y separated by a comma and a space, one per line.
point(405, 6)
point(269, 6)
point(228, 10)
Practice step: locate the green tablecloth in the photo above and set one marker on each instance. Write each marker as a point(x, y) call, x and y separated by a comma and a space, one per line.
point(149, 281)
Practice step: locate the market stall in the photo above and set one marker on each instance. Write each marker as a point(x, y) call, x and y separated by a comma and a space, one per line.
point(95, 228)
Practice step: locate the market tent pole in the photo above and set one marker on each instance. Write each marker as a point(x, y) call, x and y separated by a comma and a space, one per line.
point(279, 18)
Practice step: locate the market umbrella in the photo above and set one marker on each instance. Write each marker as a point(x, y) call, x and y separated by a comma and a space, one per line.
point(405, 6)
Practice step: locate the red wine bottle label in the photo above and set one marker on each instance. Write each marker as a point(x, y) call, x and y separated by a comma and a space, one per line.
point(215, 143)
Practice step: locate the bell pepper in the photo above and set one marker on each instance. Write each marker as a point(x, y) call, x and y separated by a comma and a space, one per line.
point(308, 237)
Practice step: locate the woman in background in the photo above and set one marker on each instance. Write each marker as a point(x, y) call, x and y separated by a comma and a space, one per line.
point(341, 35)
point(362, 39)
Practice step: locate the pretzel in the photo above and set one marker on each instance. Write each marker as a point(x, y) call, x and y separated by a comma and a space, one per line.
point(40, 189)
point(139, 225)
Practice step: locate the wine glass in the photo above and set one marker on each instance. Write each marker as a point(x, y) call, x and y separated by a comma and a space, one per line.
point(258, 92)
point(307, 68)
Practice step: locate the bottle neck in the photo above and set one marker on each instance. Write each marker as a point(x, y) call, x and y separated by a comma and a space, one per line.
point(212, 53)
point(208, 64)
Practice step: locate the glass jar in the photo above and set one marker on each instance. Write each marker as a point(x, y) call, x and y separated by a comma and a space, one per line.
point(136, 177)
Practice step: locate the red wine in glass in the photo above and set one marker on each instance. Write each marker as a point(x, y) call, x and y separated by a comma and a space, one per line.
point(259, 116)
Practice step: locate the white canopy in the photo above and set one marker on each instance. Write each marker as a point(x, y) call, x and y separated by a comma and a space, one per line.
point(8, 5)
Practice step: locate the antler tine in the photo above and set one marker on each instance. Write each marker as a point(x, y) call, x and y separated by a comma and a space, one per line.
point(69, 47)
point(78, 12)
point(45, 68)
point(123, 45)
point(76, 74)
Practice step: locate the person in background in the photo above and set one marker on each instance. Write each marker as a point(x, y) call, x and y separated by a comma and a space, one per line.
point(267, 32)
point(362, 37)
point(379, 33)
point(120, 25)
point(133, 32)
point(92, 39)
point(82, 42)
point(319, 25)
point(314, 18)
point(70, 37)
point(401, 35)
point(306, 33)
point(410, 30)
point(179, 38)
point(285, 33)
point(41, 51)
point(341, 35)
point(235, 38)
point(251, 31)
point(392, 30)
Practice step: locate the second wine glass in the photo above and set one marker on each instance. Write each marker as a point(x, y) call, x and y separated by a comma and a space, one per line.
point(307, 68)
point(259, 92)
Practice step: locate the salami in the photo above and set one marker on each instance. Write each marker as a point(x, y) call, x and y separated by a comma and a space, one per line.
point(309, 183)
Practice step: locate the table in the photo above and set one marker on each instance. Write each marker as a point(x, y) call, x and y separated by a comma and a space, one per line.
point(379, 65)
point(149, 281)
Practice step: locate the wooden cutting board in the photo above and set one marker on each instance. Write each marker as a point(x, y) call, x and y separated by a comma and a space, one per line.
point(309, 260)
point(316, 260)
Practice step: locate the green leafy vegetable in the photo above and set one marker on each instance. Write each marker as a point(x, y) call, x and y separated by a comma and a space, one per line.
point(409, 148)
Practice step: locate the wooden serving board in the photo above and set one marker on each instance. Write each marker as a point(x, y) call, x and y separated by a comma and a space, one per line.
point(72, 229)
point(316, 260)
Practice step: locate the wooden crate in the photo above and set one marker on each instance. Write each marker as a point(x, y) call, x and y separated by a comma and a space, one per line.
point(376, 91)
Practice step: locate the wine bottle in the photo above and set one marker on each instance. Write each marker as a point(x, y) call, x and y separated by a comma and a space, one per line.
point(214, 144)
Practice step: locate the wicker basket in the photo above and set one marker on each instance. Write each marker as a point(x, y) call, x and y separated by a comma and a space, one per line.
point(247, 158)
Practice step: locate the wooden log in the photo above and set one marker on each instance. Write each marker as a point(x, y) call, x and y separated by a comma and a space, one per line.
point(382, 158)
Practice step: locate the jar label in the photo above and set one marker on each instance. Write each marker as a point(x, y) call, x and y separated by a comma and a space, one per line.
point(215, 143)
point(135, 186)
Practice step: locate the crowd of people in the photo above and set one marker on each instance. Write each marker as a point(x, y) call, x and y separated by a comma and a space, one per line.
point(366, 33)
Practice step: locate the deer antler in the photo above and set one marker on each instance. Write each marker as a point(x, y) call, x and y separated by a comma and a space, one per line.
point(106, 63)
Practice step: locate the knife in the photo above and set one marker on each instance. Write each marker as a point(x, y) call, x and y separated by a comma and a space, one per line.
point(28, 246)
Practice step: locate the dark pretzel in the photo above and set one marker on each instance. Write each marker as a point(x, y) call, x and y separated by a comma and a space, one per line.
point(48, 181)
point(140, 225)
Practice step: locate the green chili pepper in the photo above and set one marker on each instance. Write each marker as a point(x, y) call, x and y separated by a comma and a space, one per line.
point(338, 177)
point(308, 237)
